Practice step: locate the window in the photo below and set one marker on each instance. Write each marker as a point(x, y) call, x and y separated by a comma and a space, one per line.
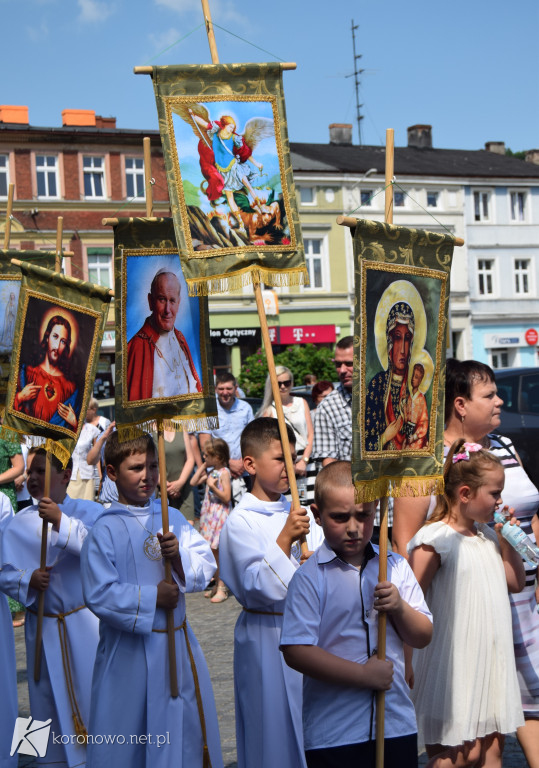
point(518, 206)
point(4, 175)
point(134, 176)
point(481, 201)
point(522, 276)
point(47, 175)
point(100, 266)
point(399, 199)
point(485, 276)
point(93, 169)
point(366, 196)
point(306, 195)
point(499, 358)
point(314, 260)
point(432, 199)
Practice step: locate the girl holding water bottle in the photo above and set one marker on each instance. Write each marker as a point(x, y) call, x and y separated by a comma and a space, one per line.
point(466, 691)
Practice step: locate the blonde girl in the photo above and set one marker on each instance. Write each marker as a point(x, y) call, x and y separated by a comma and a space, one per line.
point(217, 503)
point(466, 690)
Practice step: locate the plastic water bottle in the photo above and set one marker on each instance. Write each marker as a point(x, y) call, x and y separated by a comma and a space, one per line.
point(518, 539)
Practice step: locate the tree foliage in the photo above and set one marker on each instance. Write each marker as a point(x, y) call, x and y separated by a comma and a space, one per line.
point(301, 359)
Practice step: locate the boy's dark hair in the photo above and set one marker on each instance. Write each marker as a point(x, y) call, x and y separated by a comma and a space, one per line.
point(258, 434)
point(56, 463)
point(338, 474)
point(116, 452)
point(225, 378)
point(460, 376)
point(345, 343)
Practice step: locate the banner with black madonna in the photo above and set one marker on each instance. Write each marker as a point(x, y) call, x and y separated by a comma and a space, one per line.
point(401, 315)
point(10, 285)
point(163, 349)
point(58, 333)
point(225, 143)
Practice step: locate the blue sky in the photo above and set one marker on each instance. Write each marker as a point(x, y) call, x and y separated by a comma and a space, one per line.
point(470, 69)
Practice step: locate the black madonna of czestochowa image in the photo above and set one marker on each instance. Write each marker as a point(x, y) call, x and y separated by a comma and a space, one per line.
point(55, 350)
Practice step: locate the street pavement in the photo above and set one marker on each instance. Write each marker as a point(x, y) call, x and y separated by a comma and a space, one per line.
point(213, 625)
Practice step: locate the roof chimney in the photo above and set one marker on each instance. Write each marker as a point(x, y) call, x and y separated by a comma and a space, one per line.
point(498, 147)
point(11, 114)
point(105, 122)
point(420, 136)
point(81, 117)
point(532, 156)
point(340, 133)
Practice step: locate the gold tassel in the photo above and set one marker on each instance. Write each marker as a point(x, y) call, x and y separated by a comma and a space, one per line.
point(398, 487)
point(80, 729)
point(191, 424)
point(253, 275)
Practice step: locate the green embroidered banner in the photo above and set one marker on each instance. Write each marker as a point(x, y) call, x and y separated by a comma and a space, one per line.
point(225, 142)
point(58, 333)
point(163, 348)
point(10, 285)
point(402, 300)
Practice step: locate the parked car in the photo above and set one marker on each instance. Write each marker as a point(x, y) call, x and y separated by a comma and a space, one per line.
point(519, 390)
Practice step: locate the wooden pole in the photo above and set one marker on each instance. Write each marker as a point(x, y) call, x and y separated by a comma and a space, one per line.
point(264, 331)
point(42, 567)
point(174, 692)
point(146, 143)
point(59, 235)
point(9, 212)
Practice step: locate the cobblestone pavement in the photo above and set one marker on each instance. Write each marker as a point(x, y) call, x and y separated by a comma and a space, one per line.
point(214, 627)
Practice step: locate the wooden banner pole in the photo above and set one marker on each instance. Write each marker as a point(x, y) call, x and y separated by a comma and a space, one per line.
point(42, 567)
point(174, 692)
point(59, 236)
point(9, 213)
point(264, 331)
point(146, 143)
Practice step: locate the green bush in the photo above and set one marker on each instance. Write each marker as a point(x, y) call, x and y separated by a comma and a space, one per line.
point(301, 359)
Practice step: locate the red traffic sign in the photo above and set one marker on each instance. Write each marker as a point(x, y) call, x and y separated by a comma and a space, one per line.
point(531, 336)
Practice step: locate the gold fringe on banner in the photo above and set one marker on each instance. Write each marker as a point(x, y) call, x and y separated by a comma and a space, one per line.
point(62, 453)
point(397, 487)
point(253, 275)
point(193, 424)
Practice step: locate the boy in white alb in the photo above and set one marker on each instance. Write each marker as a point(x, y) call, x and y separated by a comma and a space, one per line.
point(70, 630)
point(330, 634)
point(258, 555)
point(134, 720)
point(8, 667)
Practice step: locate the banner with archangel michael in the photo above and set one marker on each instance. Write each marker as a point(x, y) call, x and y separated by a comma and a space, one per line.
point(58, 332)
point(163, 349)
point(402, 299)
point(227, 157)
point(10, 285)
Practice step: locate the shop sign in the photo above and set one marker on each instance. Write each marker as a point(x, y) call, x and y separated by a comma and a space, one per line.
point(303, 334)
point(234, 336)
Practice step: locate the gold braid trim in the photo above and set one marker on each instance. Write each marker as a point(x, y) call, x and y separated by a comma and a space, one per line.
point(190, 424)
point(253, 275)
point(206, 761)
point(397, 487)
point(80, 728)
point(36, 441)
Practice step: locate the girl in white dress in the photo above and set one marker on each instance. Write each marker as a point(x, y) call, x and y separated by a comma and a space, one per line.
point(466, 690)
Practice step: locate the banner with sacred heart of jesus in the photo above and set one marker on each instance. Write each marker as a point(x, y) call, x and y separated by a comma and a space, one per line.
point(163, 349)
point(401, 313)
point(10, 285)
point(58, 333)
point(227, 157)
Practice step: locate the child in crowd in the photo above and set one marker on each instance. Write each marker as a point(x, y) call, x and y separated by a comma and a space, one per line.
point(124, 584)
point(259, 553)
point(70, 630)
point(330, 634)
point(466, 691)
point(217, 504)
point(8, 667)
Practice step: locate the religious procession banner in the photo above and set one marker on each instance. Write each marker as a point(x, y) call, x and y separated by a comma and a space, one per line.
point(163, 349)
point(58, 333)
point(402, 300)
point(225, 142)
point(10, 285)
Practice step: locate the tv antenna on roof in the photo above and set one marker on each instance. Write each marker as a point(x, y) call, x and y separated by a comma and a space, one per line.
point(356, 73)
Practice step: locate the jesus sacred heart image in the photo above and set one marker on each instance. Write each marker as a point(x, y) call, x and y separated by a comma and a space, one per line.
point(50, 392)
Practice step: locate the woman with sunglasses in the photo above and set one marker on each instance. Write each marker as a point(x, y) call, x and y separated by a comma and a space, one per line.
point(298, 415)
